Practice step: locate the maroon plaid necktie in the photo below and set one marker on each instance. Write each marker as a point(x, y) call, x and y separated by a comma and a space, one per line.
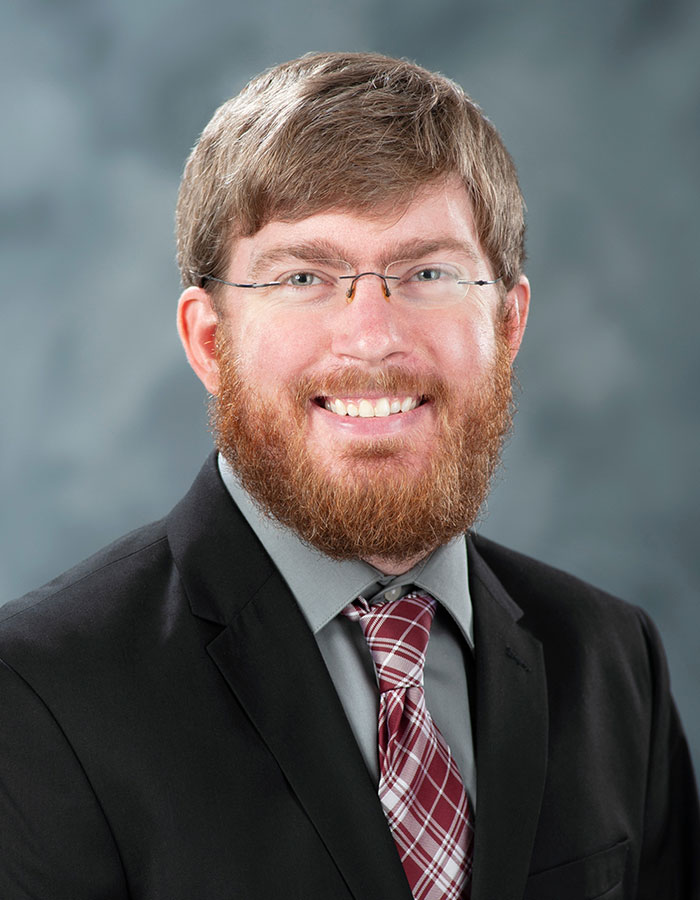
point(419, 786)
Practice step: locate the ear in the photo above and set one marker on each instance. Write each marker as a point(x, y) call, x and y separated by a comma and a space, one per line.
point(517, 306)
point(197, 322)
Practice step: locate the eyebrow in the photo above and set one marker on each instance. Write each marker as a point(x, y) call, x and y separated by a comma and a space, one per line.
point(321, 250)
point(420, 247)
point(309, 251)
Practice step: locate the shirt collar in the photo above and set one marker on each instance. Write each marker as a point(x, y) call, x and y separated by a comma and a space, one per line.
point(308, 572)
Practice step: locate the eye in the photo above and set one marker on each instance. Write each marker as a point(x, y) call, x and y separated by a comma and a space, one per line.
point(431, 273)
point(428, 274)
point(301, 279)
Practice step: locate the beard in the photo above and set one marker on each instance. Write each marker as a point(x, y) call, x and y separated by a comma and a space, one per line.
point(374, 504)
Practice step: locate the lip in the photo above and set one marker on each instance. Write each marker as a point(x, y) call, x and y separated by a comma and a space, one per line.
point(375, 426)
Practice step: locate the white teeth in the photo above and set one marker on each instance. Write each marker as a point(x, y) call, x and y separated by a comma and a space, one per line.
point(367, 409)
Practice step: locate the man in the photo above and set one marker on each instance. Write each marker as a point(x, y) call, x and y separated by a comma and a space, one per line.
point(312, 679)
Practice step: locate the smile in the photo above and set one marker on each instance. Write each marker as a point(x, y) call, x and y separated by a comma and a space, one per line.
point(367, 409)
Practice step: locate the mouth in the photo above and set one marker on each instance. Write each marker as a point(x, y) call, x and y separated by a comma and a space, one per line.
point(364, 408)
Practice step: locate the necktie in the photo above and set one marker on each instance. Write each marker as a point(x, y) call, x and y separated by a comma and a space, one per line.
point(420, 788)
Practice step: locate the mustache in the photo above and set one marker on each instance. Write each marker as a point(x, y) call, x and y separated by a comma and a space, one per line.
point(390, 381)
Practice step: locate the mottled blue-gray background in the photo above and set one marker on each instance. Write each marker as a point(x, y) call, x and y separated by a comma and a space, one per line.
point(103, 425)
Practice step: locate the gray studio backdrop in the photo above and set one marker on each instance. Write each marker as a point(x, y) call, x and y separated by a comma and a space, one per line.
point(103, 424)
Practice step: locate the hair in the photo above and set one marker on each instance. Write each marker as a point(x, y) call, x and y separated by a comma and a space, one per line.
point(353, 131)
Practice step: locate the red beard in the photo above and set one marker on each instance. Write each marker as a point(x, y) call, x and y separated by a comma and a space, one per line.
point(378, 507)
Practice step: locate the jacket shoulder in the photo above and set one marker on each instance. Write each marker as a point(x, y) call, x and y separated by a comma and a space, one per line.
point(551, 599)
point(526, 575)
point(95, 583)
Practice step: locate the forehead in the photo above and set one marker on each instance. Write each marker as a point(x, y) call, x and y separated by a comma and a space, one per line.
point(438, 216)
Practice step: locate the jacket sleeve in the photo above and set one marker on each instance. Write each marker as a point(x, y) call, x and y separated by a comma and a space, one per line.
point(55, 842)
point(670, 859)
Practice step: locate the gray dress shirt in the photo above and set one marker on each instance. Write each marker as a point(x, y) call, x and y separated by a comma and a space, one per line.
point(323, 587)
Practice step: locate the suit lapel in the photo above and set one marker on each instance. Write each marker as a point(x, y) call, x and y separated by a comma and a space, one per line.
point(270, 660)
point(511, 738)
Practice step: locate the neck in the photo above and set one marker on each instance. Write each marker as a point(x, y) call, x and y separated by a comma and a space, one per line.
point(394, 566)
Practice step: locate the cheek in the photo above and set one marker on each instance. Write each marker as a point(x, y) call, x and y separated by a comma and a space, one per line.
point(274, 350)
point(466, 349)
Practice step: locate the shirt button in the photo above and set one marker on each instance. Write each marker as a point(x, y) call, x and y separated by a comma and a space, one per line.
point(392, 594)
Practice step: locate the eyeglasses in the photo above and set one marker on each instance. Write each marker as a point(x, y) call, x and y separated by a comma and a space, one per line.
point(423, 285)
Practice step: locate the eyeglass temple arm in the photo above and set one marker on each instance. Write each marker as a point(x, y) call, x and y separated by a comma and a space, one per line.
point(204, 278)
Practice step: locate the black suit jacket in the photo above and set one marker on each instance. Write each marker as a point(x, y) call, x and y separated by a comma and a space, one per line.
point(169, 730)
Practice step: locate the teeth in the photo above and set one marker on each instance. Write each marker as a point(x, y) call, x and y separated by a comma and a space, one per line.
point(367, 409)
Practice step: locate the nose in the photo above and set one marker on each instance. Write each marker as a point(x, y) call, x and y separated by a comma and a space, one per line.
point(370, 328)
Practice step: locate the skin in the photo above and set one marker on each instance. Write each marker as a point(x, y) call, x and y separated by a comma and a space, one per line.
point(279, 344)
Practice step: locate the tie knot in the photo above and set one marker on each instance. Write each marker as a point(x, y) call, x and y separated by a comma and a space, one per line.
point(397, 634)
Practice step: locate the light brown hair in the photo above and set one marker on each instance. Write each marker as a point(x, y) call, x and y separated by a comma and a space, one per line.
point(355, 131)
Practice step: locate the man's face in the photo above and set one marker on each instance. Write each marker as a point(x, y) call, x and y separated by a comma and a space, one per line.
point(383, 487)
